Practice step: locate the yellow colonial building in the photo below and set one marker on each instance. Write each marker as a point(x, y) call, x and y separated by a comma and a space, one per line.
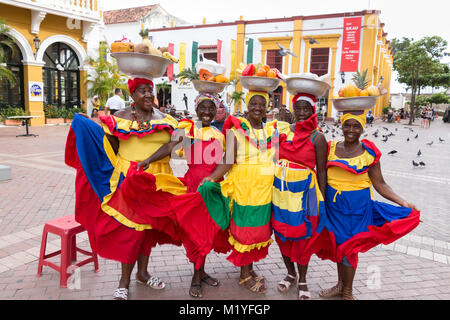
point(52, 38)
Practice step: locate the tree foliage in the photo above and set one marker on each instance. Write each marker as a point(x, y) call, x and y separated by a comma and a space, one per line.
point(418, 64)
point(7, 48)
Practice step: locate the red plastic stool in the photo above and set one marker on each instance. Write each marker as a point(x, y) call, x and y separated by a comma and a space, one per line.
point(67, 228)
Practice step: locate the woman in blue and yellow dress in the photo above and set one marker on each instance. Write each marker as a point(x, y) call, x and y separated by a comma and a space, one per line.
point(247, 190)
point(352, 217)
point(124, 209)
point(298, 190)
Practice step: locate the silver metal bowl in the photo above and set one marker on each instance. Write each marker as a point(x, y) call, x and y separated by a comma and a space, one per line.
point(260, 83)
point(296, 84)
point(209, 86)
point(141, 65)
point(355, 103)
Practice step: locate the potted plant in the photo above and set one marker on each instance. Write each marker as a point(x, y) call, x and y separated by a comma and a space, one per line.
point(53, 115)
point(12, 112)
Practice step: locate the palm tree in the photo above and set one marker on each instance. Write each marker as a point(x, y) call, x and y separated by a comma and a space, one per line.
point(7, 48)
point(237, 96)
point(165, 86)
point(107, 76)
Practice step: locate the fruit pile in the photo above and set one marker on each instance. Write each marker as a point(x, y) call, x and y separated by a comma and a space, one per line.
point(258, 70)
point(146, 47)
point(205, 75)
point(359, 87)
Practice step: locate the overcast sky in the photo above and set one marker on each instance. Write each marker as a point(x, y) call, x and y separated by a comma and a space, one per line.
point(402, 18)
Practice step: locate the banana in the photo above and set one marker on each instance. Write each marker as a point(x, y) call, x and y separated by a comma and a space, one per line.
point(167, 55)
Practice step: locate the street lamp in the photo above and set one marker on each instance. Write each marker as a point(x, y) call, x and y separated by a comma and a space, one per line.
point(37, 43)
point(343, 77)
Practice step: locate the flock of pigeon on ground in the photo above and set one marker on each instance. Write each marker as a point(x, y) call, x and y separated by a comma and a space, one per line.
point(336, 131)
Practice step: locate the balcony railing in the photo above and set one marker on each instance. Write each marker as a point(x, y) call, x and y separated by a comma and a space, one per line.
point(82, 8)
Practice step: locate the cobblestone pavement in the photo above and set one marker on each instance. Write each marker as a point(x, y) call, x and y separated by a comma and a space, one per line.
point(42, 188)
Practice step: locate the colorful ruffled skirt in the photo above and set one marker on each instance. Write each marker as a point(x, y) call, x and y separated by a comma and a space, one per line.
point(357, 223)
point(297, 205)
point(124, 210)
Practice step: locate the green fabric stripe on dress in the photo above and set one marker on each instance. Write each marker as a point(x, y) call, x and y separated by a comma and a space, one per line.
point(251, 216)
point(216, 203)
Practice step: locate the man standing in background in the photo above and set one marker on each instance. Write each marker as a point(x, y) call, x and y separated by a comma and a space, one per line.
point(116, 102)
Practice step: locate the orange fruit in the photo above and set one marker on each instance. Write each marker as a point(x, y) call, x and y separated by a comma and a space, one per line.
point(261, 72)
point(266, 67)
point(341, 93)
point(271, 74)
point(222, 79)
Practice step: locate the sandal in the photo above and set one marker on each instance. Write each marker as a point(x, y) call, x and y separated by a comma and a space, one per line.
point(197, 293)
point(210, 281)
point(121, 294)
point(258, 287)
point(332, 292)
point(347, 294)
point(303, 295)
point(286, 283)
point(154, 283)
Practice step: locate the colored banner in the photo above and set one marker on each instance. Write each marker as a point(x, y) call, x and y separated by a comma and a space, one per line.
point(182, 58)
point(351, 44)
point(194, 54)
point(219, 51)
point(233, 60)
point(170, 67)
point(250, 51)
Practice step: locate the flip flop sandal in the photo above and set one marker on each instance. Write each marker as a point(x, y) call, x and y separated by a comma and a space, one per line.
point(121, 294)
point(256, 288)
point(302, 293)
point(198, 294)
point(154, 283)
point(287, 284)
point(210, 281)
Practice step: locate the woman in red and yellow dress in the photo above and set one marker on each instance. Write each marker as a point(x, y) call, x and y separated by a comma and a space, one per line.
point(112, 195)
point(246, 192)
point(352, 217)
point(203, 148)
point(298, 191)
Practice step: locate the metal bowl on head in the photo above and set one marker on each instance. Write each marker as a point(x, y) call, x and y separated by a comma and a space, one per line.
point(297, 84)
point(260, 83)
point(355, 103)
point(141, 65)
point(209, 86)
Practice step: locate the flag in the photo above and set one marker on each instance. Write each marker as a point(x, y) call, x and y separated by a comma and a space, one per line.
point(250, 51)
point(233, 60)
point(194, 54)
point(170, 67)
point(219, 51)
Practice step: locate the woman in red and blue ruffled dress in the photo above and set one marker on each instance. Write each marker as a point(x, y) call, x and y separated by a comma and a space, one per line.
point(356, 221)
point(297, 201)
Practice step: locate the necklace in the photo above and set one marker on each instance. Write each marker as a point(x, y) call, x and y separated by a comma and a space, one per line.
point(258, 141)
point(142, 125)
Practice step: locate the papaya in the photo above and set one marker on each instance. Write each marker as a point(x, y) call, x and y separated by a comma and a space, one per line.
point(204, 74)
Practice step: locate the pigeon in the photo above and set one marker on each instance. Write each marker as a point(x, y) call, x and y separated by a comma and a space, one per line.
point(419, 153)
point(333, 136)
point(312, 41)
point(285, 51)
point(415, 164)
point(396, 129)
point(416, 136)
point(385, 139)
point(365, 135)
point(422, 164)
point(392, 152)
point(430, 143)
point(407, 140)
point(441, 140)
point(385, 128)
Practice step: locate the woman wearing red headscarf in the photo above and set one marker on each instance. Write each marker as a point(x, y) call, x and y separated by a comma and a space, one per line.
point(121, 207)
point(299, 185)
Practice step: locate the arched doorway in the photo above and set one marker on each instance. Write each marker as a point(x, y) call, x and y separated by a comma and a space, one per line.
point(12, 96)
point(61, 76)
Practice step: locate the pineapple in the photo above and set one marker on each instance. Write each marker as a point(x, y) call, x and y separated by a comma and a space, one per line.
point(360, 79)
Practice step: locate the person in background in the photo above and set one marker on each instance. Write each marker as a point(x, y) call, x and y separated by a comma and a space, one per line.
point(95, 107)
point(115, 103)
point(223, 112)
point(369, 117)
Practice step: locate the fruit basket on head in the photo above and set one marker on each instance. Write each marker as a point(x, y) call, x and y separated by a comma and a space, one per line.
point(358, 95)
point(259, 77)
point(208, 77)
point(308, 83)
point(142, 60)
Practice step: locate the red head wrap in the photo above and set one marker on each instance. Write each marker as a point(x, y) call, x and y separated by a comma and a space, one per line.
point(133, 84)
point(306, 97)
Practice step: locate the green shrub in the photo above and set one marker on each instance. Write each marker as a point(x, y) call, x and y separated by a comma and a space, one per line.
point(52, 112)
point(11, 112)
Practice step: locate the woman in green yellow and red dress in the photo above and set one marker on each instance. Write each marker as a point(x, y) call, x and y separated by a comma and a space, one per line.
point(246, 192)
point(352, 217)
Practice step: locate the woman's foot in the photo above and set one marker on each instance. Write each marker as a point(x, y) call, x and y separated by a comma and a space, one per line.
point(121, 293)
point(285, 284)
point(332, 292)
point(303, 292)
point(210, 281)
point(255, 285)
point(347, 294)
point(151, 281)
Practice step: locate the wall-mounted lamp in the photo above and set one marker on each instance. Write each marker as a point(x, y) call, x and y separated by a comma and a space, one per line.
point(343, 77)
point(37, 43)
